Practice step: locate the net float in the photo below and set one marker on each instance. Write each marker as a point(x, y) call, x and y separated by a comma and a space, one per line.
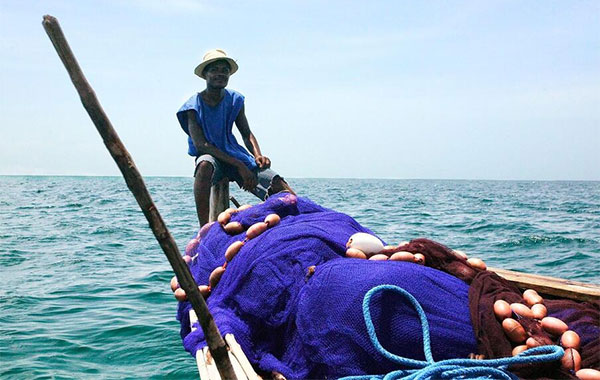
point(476, 263)
point(355, 253)
point(502, 310)
point(204, 290)
point(310, 271)
point(243, 207)
point(403, 256)
point(532, 342)
point(521, 310)
point(389, 250)
point(570, 339)
point(571, 360)
point(225, 216)
point(539, 311)
point(233, 250)
point(367, 243)
point(256, 229)
point(554, 326)
point(517, 350)
point(403, 243)
point(190, 248)
point(187, 259)
point(272, 220)
point(378, 257)
point(215, 276)
point(174, 283)
point(532, 297)
point(180, 295)
point(420, 258)
point(204, 230)
point(588, 374)
point(233, 228)
point(513, 329)
point(460, 254)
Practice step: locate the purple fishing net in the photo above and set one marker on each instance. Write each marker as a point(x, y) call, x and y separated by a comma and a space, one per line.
point(307, 325)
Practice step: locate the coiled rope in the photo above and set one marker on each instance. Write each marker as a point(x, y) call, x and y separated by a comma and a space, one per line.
point(451, 368)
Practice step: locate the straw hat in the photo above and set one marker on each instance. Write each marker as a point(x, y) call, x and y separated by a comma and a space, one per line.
point(210, 57)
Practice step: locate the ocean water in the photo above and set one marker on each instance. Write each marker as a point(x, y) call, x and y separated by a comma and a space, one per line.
point(85, 293)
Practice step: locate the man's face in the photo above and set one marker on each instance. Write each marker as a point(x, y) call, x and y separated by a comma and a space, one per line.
point(217, 74)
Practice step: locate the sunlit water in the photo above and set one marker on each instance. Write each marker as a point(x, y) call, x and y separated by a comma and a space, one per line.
point(84, 290)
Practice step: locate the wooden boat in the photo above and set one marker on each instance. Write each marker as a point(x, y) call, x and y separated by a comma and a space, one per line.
point(548, 287)
point(545, 285)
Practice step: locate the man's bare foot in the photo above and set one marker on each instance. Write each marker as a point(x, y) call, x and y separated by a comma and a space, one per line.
point(278, 184)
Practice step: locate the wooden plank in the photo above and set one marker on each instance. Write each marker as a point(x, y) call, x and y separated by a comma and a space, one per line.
point(551, 286)
point(202, 368)
point(206, 366)
point(219, 199)
point(207, 369)
point(236, 350)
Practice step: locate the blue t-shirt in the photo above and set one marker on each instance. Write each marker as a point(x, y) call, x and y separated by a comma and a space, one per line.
point(217, 124)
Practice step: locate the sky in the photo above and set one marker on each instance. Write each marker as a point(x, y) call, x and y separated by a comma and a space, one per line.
point(506, 90)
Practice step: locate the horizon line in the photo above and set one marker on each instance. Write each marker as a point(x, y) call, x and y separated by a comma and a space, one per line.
point(325, 178)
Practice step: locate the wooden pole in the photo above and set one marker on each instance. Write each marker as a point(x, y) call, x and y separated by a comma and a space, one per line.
point(136, 184)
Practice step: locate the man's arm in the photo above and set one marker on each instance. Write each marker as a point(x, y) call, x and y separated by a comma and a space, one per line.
point(250, 141)
point(204, 147)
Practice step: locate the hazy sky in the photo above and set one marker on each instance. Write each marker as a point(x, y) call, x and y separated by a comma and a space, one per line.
point(368, 89)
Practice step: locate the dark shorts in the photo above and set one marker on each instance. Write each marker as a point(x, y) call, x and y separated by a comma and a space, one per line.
point(223, 170)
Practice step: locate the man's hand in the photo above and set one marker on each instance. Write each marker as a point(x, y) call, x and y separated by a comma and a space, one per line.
point(250, 180)
point(263, 162)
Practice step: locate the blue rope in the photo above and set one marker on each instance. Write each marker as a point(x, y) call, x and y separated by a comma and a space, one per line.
point(451, 368)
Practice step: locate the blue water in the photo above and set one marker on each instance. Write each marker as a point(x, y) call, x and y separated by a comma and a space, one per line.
point(85, 294)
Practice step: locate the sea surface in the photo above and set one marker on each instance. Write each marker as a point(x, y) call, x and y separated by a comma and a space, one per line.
point(84, 290)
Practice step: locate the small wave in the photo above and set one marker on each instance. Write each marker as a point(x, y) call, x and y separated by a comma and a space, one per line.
point(16, 301)
point(160, 277)
point(533, 241)
point(105, 230)
point(104, 246)
point(62, 309)
point(74, 205)
point(575, 207)
point(129, 330)
point(566, 260)
point(35, 207)
point(484, 226)
point(12, 257)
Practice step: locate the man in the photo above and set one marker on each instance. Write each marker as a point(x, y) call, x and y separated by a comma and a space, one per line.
point(208, 118)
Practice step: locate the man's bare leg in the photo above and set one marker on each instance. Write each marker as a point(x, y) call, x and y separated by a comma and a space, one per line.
point(202, 184)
